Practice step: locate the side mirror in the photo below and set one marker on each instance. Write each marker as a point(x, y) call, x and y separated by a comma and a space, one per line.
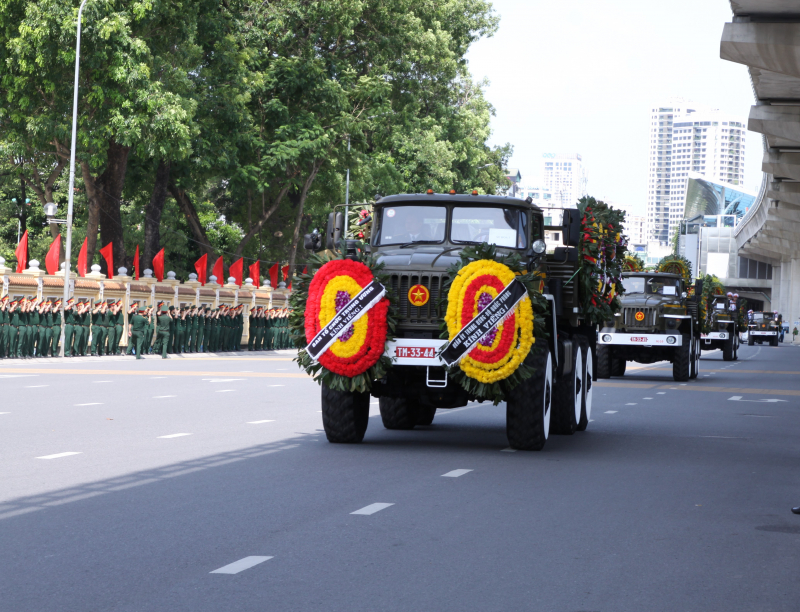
point(571, 227)
point(698, 288)
point(313, 241)
point(334, 231)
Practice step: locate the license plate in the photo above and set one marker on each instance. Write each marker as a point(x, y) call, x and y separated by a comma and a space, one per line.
point(415, 352)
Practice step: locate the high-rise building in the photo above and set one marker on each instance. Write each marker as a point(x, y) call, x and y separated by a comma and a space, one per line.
point(565, 177)
point(683, 140)
point(635, 229)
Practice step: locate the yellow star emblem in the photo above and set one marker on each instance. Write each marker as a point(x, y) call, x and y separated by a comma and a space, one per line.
point(418, 295)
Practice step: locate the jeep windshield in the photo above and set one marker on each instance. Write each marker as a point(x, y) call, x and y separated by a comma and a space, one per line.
point(410, 224)
point(503, 227)
point(651, 286)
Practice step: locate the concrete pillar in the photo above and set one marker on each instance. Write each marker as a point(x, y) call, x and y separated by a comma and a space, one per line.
point(794, 292)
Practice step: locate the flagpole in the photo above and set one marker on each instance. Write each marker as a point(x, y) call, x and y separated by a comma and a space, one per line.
point(68, 246)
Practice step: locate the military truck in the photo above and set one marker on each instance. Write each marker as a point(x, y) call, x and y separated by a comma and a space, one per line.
point(417, 237)
point(764, 326)
point(658, 322)
point(723, 329)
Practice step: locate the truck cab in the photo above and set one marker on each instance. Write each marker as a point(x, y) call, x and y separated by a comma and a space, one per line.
point(764, 326)
point(723, 332)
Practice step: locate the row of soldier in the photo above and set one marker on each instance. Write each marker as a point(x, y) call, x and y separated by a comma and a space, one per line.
point(32, 328)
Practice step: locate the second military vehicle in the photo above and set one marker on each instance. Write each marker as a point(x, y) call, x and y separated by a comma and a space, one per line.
point(658, 322)
point(723, 330)
point(764, 326)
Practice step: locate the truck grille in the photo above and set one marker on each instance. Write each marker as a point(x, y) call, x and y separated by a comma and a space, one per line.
point(629, 317)
point(425, 315)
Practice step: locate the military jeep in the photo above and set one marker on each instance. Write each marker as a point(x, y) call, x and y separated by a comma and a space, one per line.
point(723, 330)
point(764, 326)
point(658, 322)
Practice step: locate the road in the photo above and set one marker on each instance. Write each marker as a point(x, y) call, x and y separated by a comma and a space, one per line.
point(128, 485)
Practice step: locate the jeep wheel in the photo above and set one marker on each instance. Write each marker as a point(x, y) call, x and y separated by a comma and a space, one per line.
point(425, 415)
point(750, 340)
point(696, 348)
point(345, 415)
point(586, 396)
point(682, 359)
point(399, 412)
point(528, 406)
point(603, 365)
point(567, 395)
point(728, 349)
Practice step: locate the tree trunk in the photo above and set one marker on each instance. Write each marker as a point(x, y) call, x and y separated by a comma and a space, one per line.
point(262, 220)
point(299, 220)
point(93, 222)
point(152, 216)
point(189, 211)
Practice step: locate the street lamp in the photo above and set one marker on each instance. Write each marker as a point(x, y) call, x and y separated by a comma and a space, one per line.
point(68, 246)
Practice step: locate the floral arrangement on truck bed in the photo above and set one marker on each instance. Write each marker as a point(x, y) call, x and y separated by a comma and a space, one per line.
point(356, 358)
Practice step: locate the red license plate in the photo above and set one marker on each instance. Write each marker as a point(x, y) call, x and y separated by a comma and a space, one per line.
point(639, 339)
point(417, 352)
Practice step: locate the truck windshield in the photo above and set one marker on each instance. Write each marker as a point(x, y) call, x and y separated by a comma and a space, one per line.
point(504, 227)
point(651, 286)
point(407, 224)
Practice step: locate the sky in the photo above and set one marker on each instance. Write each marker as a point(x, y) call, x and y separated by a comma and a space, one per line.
point(580, 76)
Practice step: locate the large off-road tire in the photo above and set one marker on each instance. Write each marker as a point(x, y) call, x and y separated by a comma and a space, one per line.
point(618, 366)
point(588, 384)
point(773, 341)
point(603, 366)
point(695, 358)
point(528, 406)
point(750, 340)
point(728, 349)
point(345, 415)
point(399, 412)
point(567, 394)
point(425, 415)
point(682, 359)
point(736, 347)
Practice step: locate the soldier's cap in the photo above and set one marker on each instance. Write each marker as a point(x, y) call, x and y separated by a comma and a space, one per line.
point(4, 298)
point(163, 308)
point(172, 308)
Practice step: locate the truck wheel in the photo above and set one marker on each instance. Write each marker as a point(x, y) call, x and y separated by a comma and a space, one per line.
point(695, 358)
point(586, 396)
point(773, 341)
point(399, 412)
point(750, 340)
point(682, 359)
point(567, 395)
point(528, 406)
point(727, 349)
point(618, 367)
point(425, 415)
point(345, 415)
point(603, 365)
point(736, 347)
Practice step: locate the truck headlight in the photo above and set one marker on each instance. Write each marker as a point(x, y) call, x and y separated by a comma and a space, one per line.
point(671, 323)
point(606, 338)
point(723, 335)
point(539, 246)
point(670, 339)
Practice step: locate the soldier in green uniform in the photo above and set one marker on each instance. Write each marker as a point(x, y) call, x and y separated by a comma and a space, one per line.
point(69, 327)
point(172, 329)
point(180, 330)
point(200, 320)
point(190, 330)
point(164, 322)
point(251, 329)
point(149, 331)
point(24, 328)
point(13, 328)
point(211, 331)
point(136, 326)
point(4, 327)
point(111, 328)
point(33, 327)
point(132, 310)
point(237, 341)
point(45, 329)
point(55, 328)
point(98, 329)
point(83, 317)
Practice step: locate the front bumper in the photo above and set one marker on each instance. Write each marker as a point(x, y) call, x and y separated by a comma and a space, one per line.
point(415, 352)
point(715, 336)
point(763, 333)
point(643, 339)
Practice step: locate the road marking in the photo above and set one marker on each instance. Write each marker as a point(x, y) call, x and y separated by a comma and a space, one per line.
point(219, 380)
point(647, 398)
point(611, 412)
point(5, 413)
point(725, 437)
point(36, 386)
point(224, 390)
point(456, 473)
point(760, 416)
point(631, 404)
point(91, 404)
point(509, 450)
point(661, 393)
point(372, 508)
point(738, 398)
point(175, 435)
point(17, 375)
point(156, 377)
point(259, 422)
point(277, 385)
point(240, 565)
point(150, 373)
point(163, 396)
point(58, 455)
point(102, 381)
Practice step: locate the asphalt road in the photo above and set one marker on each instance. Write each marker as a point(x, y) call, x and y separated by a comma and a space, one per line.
point(128, 485)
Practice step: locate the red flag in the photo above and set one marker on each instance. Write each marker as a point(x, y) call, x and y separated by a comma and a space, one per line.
point(22, 253)
point(217, 271)
point(136, 264)
point(82, 259)
point(201, 266)
point(273, 276)
point(236, 271)
point(158, 265)
point(51, 260)
point(108, 253)
point(285, 270)
point(255, 273)
point(305, 270)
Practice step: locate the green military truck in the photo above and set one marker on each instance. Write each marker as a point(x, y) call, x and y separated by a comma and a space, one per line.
point(658, 322)
point(418, 237)
point(764, 327)
point(723, 329)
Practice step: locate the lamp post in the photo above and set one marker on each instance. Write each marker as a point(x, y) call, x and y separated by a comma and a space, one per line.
point(68, 246)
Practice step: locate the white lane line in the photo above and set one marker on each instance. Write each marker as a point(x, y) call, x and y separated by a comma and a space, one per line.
point(372, 508)
point(91, 404)
point(259, 422)
point(456, 473)
point(647, 398)
point(725, 437)
point(175, 435)
point(163, 396)
point(277, 385)
point(683, 384)
point(17, 375)
point(509, 450)
point(661, 393)
point(5, 413)
point(36, 386)
point(219, 380)
point(156, 377)
point(611, 412)
point(224, 390)
point(58, 455)
point(631, 404)
point(282, 369)
point(240, 565)
point(102, 381)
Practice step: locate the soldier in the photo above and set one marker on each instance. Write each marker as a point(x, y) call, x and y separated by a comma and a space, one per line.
point(111, 328)
point(180, 330)
point(45, 329)
point(82, 327)
point(216, 330)
point(24, 328)
point(55, 328)
point(239, 329)
point(172, 329)
point(132, 310)
point(200, 318)
point(191, 329)
point(3, 327)
point(211, 331)
point(149, 332)
point(136, 325)
point(164, 322)
point(251, 329)
point(98, 330)
point(69, 326)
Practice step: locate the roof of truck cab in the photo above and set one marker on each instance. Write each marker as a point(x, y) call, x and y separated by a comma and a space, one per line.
point(459, 198)
point(649, 274)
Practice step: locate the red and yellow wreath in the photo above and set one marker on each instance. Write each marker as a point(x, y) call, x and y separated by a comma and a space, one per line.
point(362, 344)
